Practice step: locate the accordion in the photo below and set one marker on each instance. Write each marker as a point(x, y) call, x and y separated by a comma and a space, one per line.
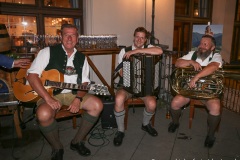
point(141, 75)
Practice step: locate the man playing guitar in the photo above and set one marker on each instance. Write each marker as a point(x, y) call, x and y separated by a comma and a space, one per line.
point(73, 64)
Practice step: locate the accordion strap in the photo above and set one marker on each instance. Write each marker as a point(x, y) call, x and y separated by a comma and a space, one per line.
point(118, 68)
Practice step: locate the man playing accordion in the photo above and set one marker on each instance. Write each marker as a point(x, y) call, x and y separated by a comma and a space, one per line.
point(138, 47)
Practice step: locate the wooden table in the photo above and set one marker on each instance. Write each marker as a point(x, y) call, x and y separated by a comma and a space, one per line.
point(95, 52)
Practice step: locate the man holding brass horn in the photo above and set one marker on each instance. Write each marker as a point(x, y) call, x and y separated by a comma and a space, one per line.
point(204, 56)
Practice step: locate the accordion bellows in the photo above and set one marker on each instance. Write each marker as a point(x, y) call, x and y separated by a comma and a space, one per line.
point(141, 75)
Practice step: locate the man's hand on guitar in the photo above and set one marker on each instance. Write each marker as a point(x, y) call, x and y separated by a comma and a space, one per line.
point(74, 106)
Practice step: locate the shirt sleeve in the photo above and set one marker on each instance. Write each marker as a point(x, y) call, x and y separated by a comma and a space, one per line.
point(188, 56)
point(6, 62)
point(120, 56)
point(85, 72)
point(12, 64)
point(150, 45)
point(217, 58)
point(40, 62)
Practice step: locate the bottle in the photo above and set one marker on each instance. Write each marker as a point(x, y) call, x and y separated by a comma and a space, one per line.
point(168, 114)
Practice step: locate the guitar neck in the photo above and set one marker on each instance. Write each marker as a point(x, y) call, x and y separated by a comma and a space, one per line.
point(63, 85)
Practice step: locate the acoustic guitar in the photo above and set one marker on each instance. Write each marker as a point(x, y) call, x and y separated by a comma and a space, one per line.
point(52, 80)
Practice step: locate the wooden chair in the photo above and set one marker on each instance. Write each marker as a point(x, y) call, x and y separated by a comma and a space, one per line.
point(12, 110)
point(64, 113)
point(133, 101)
point(193, 104)
point(9, 105)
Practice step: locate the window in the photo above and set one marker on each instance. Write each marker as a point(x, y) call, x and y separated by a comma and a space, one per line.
point(53, 25)
point(201, 8)
point(193, 8)
point(237, 11)
point(187, 14)
point(182, 7)
point(235, 53)
point(61, 3)
point(20, 28)
point(19, 1)
point(53, 28)
point(39, 19)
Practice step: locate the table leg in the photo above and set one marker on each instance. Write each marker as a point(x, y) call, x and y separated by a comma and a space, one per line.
point(99, 75)
point(17, 124)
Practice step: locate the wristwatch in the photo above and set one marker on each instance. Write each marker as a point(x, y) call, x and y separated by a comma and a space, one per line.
point(80, 98)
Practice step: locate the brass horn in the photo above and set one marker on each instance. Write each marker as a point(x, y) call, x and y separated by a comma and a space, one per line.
point(207, 87)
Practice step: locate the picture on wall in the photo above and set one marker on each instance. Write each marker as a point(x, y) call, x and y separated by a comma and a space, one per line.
point(213, 30)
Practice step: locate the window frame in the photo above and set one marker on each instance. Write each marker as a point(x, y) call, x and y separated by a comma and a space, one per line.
point(235, 50)
point(40, 11)
point(190, 20)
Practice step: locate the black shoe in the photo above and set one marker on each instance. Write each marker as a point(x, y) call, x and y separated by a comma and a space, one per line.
point(172, 127)
point(81, 149)
point(117, 141)
point(57, 154)
point(209, 141)
point(148, 128)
